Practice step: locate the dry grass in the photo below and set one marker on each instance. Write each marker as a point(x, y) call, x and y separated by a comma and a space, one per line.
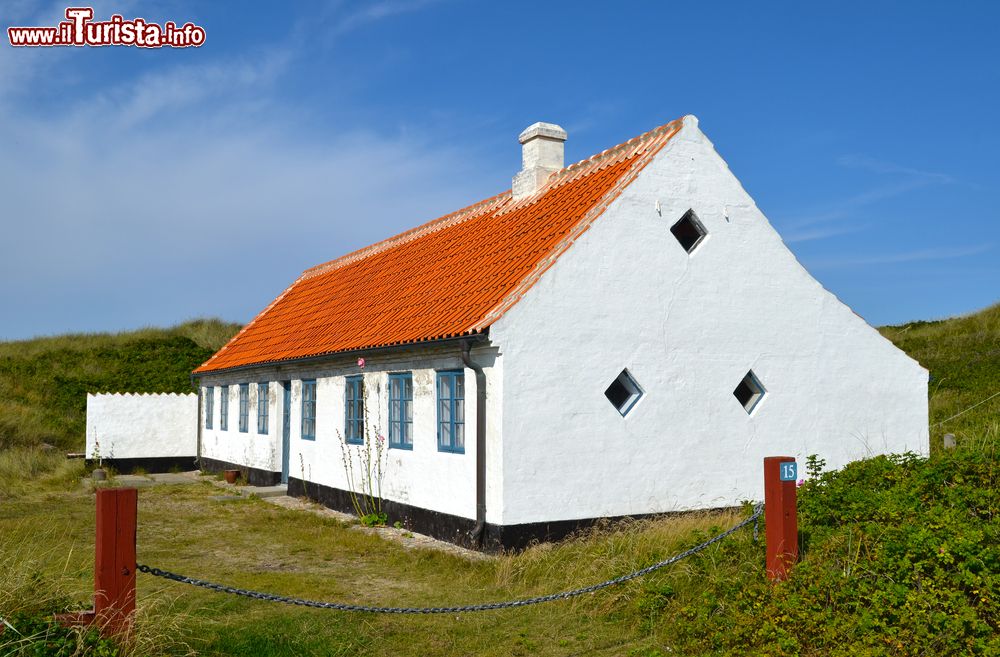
point(39, 577)
point(254, 544)
point(24, 469)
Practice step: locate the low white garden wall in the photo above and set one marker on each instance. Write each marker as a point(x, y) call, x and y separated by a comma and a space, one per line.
point(128, 427)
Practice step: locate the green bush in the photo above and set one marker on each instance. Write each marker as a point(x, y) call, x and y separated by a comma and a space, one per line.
point(900, 555)
point(38, 636)
point(44, 382)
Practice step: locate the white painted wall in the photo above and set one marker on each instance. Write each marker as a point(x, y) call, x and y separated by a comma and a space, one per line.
point(250, 448)
point(688, 327)
point(423, 476)
point(130, 426)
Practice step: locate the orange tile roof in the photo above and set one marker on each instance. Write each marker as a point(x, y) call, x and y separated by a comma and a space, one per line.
point(450, 277)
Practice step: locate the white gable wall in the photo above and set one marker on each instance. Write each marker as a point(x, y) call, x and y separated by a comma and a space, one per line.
point(688, 327)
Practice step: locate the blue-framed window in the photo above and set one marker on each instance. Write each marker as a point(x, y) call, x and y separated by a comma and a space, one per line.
point(224, 408)
point(354, 410)
point(244, 407)
point(209, 406)
point(262, 405)
point(451, 411)
point(401, 411)
point(309, 409)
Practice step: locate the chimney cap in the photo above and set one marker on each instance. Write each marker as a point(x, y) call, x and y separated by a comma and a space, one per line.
point(544, 130)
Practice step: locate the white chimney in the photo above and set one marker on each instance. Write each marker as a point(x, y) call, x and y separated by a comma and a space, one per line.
point(541, 156)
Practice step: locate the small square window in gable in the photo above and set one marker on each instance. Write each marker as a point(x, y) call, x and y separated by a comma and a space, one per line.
point(749, 392)
point(689, 231)
point(623, 393)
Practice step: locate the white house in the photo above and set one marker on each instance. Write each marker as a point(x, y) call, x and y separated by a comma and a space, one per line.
point(623, 336)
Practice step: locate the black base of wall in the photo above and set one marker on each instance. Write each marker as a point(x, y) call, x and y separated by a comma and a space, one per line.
point(446, 527)
point(253, 476)
point(152, 465)
point(455, 529)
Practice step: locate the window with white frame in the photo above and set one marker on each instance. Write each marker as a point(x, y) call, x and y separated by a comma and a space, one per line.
point(451, 411)
point(244, 407)
point(354, 410)
point(401, 411)
point(262, 406)
point(309, 409)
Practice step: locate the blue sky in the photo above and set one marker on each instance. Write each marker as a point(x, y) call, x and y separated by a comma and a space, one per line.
point(149, 187)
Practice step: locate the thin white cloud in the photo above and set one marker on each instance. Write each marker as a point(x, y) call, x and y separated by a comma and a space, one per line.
point(939, 253)
point(882, 167)
point(816, 226)
point(196, 190)
point(339, 17)
point(810, 234)
point(20, 66)
point(372, 12)
point(153, 95)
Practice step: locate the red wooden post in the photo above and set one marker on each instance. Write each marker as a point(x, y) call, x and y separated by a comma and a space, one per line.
point(114, 567)
point(781, 520)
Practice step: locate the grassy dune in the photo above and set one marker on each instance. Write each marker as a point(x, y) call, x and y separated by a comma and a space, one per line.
point(963, 356)
point(44, 382)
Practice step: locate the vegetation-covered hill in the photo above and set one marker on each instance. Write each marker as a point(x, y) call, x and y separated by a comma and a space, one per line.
point(963, 356)
point(44, 382)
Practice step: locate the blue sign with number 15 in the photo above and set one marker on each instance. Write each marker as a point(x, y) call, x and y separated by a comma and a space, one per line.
point(789, 471)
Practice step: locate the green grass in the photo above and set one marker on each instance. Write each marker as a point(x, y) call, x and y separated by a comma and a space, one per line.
point(251, 543)
point(963, 356)
point(44, 382)
point(900, 556)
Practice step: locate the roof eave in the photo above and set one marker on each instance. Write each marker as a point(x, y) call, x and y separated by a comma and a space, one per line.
point(480, 337)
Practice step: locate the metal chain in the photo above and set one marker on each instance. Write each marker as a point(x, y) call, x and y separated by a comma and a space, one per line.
point(339, 606)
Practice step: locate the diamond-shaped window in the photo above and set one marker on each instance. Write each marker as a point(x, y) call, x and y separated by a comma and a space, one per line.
point(623, 393)
point(749, 392)
point(689, 231)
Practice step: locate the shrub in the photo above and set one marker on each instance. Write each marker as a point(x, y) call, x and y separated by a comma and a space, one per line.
point(900, 554)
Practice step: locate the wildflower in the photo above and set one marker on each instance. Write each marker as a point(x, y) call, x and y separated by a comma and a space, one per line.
point(380, 438)
point(361, 363)
point(798, 484)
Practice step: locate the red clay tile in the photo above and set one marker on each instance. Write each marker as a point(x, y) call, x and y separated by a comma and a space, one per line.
point(453, 276)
